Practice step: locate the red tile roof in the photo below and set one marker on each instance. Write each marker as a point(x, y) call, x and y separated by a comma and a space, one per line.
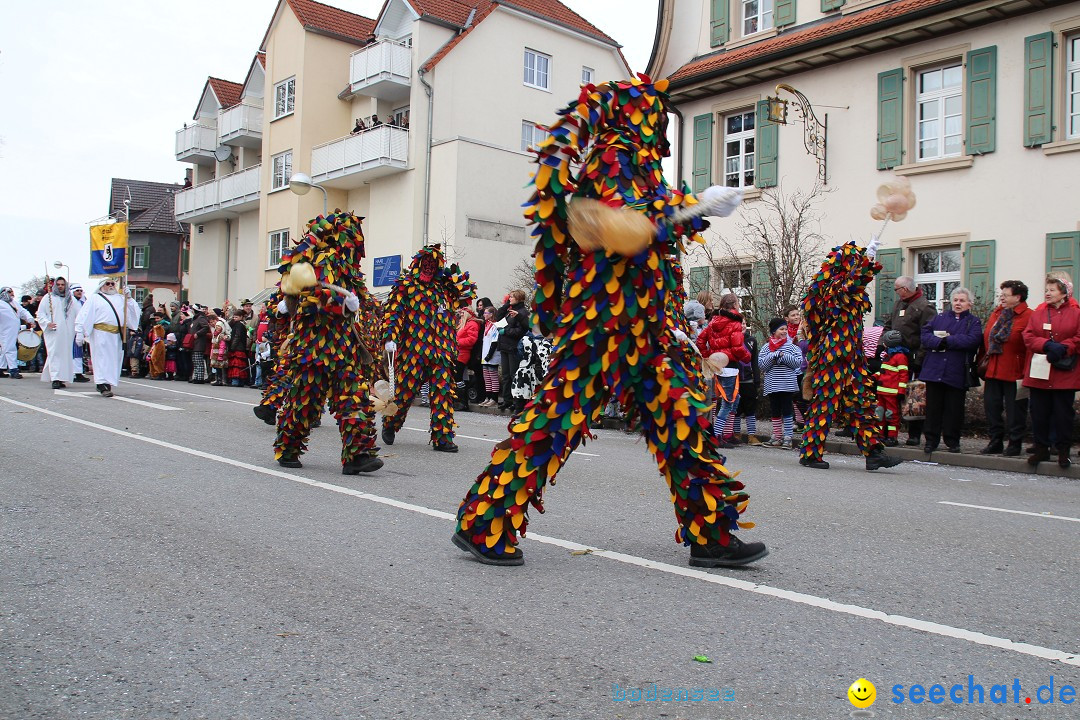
point(332, 21)
point(829, 28)
point(455, 12)
point(226, 91)
point(261, 57)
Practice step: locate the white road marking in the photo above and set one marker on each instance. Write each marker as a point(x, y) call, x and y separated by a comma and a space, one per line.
point(1013, 512)
point(66, 393)
point(470, 437)
point(181, 392)
point(931, 628)
point(70, 393)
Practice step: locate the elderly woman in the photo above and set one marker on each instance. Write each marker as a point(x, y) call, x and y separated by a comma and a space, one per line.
point(1052, 338)
point(1005, 354)
point(950, 341)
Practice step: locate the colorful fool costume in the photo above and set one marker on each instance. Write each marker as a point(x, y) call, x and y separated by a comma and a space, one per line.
point(609, 285)
point(322, 280)
point(420, 333)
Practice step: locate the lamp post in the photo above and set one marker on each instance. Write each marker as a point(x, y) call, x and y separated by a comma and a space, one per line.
point(301, 184)
point(59, 265)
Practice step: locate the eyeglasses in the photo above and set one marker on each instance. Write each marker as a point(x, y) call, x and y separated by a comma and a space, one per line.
point(110, 282)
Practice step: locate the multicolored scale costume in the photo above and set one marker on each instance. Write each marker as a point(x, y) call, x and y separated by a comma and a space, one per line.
point(420, 318)
point(280, 329)
point(619, 331)
point(842, 385)
point(324, 360)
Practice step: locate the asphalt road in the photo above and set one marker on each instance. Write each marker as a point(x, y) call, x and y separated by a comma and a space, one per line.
point(157, 563)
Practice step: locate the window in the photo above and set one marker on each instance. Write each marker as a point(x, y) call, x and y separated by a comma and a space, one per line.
point(757, 15)
point(699, 280)
point(1072, 87)
point(939, 112)
point(537, 69)
point(739, 150)
point(279, 242)
point(284, 97)
point(140, 257)
point(282, 167)
point(938, 274)
point(139, 293)
point(586, 75)
point(400, 116)
point(185, 257)
point(531, 136)
point(737, 279)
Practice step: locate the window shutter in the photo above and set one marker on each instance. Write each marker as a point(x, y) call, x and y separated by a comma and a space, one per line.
point(979, 271)
point(146, 257)
point(766, 142)
point(1063, 253)
point(890, 122)
point(761, 291)
point(884, 285)
point(702, 152)
point(827, 5)
point(981, 101)
point(699, 279)
point(719, 27)
point(1038, 89)
point(784, 14)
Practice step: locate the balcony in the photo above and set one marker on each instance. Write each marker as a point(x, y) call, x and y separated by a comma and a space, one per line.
point(382, 70)
point(241, 125)
point(196, 144)
point(230, 194)
point(356, 159)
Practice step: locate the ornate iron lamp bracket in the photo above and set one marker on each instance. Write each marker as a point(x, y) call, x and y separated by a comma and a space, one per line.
point(815, 131)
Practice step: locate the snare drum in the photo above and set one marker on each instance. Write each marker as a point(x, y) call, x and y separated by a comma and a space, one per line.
point(29, 342)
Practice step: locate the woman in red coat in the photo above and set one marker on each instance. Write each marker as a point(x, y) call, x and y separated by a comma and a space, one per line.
point(1003, 345)
point(1052, 337)
point(724, 334)
point(468, 332)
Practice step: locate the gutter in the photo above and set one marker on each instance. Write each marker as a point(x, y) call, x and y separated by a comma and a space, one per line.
point(682, 132)
point(427, 161)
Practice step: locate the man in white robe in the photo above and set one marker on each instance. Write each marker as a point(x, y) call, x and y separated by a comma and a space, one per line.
point(56, 316)
point(77, 360)
point(99, 323)
point(12, 318)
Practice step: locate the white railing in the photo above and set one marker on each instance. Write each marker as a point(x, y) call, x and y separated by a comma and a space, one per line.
point(382, 60)
point(194, 138)
point(226, 191)
point(240, 118)
point(382, 145)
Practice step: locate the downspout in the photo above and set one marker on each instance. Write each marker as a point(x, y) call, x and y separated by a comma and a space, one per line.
point(679, 156)
point(427, 154)
point(228, 253)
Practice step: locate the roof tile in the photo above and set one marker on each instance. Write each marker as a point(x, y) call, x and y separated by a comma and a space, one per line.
point(316, 16)
point(227, 91)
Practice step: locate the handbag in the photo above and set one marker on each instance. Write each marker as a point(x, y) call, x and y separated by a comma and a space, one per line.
point(1066, 363)
point(973, 380)
point(983, 366)
point(188, 342)
point(915, 401)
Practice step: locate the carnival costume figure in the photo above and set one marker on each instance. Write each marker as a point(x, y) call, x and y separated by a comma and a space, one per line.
point(323, 285)
point(420, 334)
point(608, 233)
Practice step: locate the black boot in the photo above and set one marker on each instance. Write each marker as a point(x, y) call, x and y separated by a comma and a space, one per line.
point(996, 447)
point(388, 435)
point(79, 377)
point(513, 556)
point(814, 463)
point(289, 461)
point(446, 446)
point(265, 413)
point(735, 554)
point(1039, 453)
point(877, 459)
point(1013, 450)
point(56, 385)
point(361, 464)
point(1063, 457)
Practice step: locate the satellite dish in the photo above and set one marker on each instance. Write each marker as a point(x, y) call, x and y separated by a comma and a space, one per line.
point(223, 153)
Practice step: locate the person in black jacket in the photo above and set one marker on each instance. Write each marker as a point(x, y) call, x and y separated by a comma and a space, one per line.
point(517, 324)
point(200, 328)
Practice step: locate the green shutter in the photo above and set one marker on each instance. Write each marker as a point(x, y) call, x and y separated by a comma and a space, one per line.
point(761, 291)
point(766, 142)
point(718, 25)
point(1038, 89)
point(185, 258)
point(827, 5)
point(699, 279)
point(981, 100)
point(979, 272)
point(183, 295)
point(784, 14)
point(146, 257)
point(890, 124)
point(1063, 253)
point(702, 152)
point(885, 284)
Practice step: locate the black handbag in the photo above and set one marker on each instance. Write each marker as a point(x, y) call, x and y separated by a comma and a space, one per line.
point(1066, 363)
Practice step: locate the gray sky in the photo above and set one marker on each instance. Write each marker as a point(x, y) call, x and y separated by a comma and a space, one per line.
point(97, 90)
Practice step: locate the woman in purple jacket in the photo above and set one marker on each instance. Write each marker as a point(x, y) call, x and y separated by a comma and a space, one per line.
point(950, 340)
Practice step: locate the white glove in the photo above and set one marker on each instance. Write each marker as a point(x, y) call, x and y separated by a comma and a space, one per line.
point(872, 247)
point(352, 303)
point(391, 346)
point(79, 339)
point(681, 336)
point(721, 201)
point(282, 308)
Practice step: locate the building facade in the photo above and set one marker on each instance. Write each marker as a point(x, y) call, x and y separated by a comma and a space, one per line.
point(976, 103)
point(157, 243)
point(448, 94)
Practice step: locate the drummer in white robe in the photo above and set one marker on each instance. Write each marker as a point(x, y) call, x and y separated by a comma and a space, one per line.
point(98, 322)
point(56, 316)
point(12, 318)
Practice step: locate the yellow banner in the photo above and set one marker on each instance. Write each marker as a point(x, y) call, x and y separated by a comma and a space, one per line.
point(114, 234)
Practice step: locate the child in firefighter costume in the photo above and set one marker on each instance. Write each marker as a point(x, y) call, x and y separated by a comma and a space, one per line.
point(607, 222)
point(420, 334)
point(324, 288)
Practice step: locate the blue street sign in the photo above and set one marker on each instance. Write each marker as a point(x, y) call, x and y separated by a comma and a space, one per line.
point(387, 270)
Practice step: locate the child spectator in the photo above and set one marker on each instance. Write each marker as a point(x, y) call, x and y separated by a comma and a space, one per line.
point(749, 380)
point(724, 334)
point(157, 351)
point(781, 361)
point(135, 348)
point(170, 356)
point(219, 338)
point(892, 381)
point(491, 358)
point(468, 334)
point(262, 360)
point(535, 352)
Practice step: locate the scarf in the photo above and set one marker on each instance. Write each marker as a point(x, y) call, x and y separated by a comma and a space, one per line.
point(63, 298)
point(792, 330)
point(775, 344)
point(999, 334)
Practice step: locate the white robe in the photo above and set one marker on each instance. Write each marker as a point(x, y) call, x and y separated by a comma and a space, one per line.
point(106, 348)
point(11, 319)
point(59, 363)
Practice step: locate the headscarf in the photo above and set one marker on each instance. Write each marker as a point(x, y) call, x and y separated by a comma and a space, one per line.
point(7, 294)
point(101, 286)
point(65, 297)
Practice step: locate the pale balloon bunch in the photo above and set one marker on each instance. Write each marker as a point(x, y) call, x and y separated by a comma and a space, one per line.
point(382, 398)
point(895, 199)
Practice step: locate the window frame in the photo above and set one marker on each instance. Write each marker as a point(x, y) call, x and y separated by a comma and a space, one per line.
point(759, 17)
point(282, 238)
point(587, 75)
point(535, 70)
point(940, 96)
point(537, 134)
point(140, 260)
point(1071, 98)
point(289, 85)
point(939, 279)
point(287, 167)
point(741, 137)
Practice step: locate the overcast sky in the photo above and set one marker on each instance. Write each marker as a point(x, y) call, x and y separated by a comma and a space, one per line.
point(96, 90)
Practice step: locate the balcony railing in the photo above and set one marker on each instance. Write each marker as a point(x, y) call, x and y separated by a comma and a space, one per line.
point(241, 125)
point(355, 159)
point(236, 192)
point(382, 69)
point(196, 144)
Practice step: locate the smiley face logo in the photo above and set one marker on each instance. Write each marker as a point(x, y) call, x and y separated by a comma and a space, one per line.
point(862, 693)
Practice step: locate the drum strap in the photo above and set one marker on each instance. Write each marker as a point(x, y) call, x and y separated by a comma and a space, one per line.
point(115, 315)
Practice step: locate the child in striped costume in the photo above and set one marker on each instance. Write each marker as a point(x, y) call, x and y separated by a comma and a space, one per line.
point(780, 360)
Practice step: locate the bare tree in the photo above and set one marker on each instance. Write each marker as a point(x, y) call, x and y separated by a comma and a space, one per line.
point(32, 286)
point(522, 277)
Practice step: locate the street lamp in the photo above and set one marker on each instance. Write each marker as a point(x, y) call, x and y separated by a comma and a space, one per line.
point(301, 184)
point(59, 265)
